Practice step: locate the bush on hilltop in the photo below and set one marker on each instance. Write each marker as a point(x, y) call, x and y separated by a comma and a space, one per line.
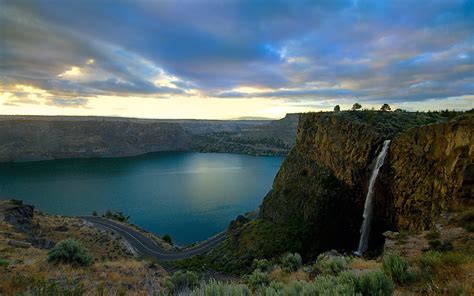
point(70, 251)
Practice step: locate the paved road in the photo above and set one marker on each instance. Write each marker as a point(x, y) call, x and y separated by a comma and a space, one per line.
point(146, 247)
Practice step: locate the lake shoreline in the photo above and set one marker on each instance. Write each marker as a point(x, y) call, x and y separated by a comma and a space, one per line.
point(177, 184)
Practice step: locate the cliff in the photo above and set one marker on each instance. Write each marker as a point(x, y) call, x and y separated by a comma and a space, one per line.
point(27, 138)
point(318, 196)
point(429, 170)
point(24, 140)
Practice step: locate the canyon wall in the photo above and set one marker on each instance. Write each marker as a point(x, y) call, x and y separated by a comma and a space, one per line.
point(429, 170)
point(25, 140)
point(28, 138)
point(317, 199)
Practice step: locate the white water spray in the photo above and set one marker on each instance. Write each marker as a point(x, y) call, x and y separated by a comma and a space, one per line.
point(368, 207)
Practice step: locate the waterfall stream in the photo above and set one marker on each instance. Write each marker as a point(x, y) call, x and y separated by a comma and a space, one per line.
point(368, 207)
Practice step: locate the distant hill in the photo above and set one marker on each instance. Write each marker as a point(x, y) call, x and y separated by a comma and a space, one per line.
point(29, 138)
point(252, 118)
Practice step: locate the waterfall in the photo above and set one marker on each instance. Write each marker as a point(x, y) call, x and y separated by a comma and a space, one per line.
point(368, 207)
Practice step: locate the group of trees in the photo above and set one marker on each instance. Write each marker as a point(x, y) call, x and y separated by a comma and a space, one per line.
point(357, 106)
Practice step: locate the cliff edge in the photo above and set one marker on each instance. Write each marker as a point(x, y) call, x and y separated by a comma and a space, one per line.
point(317, 199)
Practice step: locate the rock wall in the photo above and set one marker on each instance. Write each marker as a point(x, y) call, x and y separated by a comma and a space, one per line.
point(429, 169)
point(322, 184)
point(25, 140)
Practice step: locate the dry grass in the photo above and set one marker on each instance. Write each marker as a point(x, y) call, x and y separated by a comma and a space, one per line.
point(362, 265)
point(109, 278)
point(103, 244)
point(450, 274)
point(281, 276)
point(114, 270)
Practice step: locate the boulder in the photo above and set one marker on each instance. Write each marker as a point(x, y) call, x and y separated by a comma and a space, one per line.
point(19, 244)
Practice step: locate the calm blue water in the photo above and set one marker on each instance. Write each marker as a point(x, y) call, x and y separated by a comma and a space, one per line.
point(191, 196)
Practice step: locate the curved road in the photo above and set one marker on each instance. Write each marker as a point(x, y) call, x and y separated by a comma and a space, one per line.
point(146, 247)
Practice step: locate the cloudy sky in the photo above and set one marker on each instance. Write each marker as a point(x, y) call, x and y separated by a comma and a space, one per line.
point(227, 59)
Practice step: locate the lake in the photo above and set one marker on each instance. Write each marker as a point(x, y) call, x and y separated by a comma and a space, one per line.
point(190, 196)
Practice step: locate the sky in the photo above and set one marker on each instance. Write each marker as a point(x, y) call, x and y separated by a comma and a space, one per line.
point(226, 59)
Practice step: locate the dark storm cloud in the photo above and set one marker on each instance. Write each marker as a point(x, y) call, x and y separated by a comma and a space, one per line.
point(400, 51)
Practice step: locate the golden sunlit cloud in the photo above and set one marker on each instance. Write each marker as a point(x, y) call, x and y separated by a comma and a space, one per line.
point(29, 89)
point(163, 79)
point(74, 71)
point(251, 90)
point(22, 99)
point(90, 62)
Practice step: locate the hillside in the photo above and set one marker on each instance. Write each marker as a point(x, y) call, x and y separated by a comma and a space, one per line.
point(421, 241)
point(318, 195)
point(27, 138)
point(28, 235)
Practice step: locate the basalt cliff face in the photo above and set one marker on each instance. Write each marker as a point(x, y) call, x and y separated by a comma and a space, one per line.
point(318, 195)
point(429, 170)
point(28, 138)
point(25, 140)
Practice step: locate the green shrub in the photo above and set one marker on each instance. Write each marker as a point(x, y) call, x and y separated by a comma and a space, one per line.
point(167, 238)
point(347, 283)
point(257, 279)
point(182, 281)
point(291, 262)
point(70, 251)
point(298, 288)
point(331, 265)
point(323, 285)
point(263, 265)
point(108, 214)
point(433, 235)
point(214, 288)
point(331, 285)
point(397, 269)
point(119, 216)
point(453, 259)
point(274, 288)
point(431, 261)
point(291, 289)
point(374, 283)
point(4, 262)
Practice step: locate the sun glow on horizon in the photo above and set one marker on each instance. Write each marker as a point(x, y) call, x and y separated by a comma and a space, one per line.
point(27, 99)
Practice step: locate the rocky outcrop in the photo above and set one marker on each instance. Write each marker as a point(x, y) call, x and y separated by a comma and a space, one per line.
point(18, 215)
point(429, 169)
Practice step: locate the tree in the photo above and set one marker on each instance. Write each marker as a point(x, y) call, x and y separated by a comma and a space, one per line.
point(167, 238)
point(356, 106)
point(94, 213)
point(385, 107)
point(108, 214)
point(337, 108)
